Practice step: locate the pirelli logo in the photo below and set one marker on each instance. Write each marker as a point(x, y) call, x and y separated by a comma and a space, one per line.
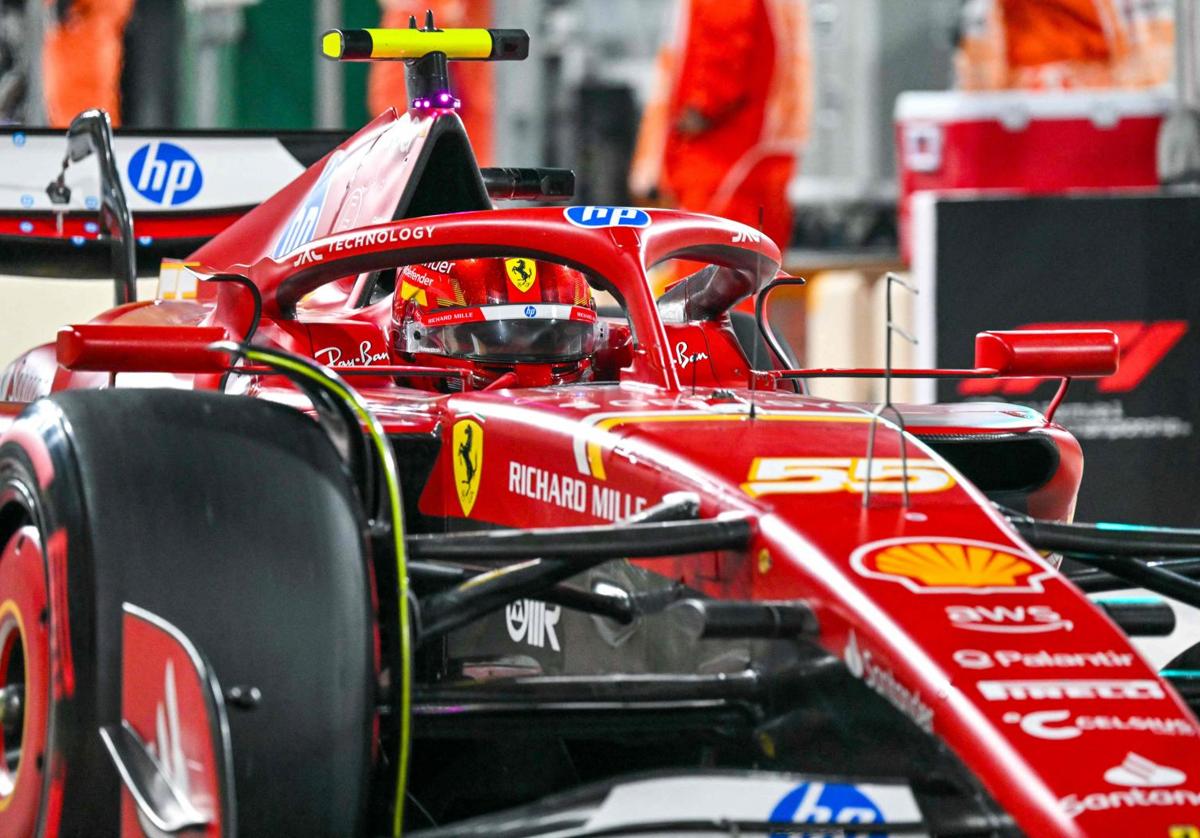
point(1035, 690)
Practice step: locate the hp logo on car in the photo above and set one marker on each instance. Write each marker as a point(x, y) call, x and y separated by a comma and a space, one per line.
point(826, 803)
point(165, 174)
point(302, 227)
point(607, 216)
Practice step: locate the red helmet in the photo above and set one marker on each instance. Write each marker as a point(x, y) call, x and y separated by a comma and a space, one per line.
point(499, 314)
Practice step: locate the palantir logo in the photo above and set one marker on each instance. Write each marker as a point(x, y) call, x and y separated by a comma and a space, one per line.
point(607, 216)
point(165, 174)
point(831, 803)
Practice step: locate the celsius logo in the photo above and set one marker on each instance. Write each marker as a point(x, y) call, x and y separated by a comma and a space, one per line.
point(825, 803)
point(165, 174)
point(1065, 724)
point(607, 216)
point(533, 621)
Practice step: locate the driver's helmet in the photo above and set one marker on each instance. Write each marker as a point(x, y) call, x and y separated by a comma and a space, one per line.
point(498, 313)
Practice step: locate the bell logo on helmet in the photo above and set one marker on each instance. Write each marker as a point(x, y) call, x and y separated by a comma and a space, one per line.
point(468, 462)
point(165, 173)
point(521, 272)
point(607, 216)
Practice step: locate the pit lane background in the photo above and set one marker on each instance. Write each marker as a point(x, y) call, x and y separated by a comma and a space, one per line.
point(1003, 263)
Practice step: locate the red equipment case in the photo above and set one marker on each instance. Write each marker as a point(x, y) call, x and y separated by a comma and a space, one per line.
point(1025, 142)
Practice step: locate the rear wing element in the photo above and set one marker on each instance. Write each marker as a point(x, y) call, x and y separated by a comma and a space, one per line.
point(182, 188)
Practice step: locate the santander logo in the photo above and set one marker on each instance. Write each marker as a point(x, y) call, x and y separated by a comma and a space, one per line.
point(1137, 771)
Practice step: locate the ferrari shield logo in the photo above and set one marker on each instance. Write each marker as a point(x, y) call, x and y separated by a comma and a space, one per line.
point(521, 272)
point(468, 461)
point(408, 291)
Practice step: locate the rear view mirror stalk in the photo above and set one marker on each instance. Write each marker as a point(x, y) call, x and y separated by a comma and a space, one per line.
point(91, 133)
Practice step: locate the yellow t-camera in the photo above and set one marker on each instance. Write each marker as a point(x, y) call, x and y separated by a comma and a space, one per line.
point(413, 44)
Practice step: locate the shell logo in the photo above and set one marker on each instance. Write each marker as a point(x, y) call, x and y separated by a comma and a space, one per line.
point(950, 566)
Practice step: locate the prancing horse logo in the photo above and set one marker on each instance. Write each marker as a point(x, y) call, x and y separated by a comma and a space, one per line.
point(468, 461)
point(521, 272)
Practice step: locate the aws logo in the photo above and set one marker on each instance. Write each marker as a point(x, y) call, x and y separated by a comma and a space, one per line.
point(1143, 346)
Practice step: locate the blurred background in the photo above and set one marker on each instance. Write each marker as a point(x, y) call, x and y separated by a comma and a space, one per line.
point(577, 102)
point(1019, 162)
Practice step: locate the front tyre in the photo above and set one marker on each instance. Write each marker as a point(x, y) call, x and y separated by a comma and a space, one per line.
point(233, 520)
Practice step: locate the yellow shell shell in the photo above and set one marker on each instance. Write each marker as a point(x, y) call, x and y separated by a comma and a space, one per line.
point(946, 564)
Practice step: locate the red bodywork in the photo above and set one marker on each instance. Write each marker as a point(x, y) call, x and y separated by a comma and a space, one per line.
point(937, 605)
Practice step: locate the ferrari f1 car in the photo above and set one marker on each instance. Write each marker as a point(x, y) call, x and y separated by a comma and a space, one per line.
point(373, 520)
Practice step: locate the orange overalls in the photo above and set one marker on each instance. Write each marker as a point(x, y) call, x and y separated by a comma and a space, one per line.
point(472, 80)
point(81, 59)
point(723, 130)
point(1040, 44)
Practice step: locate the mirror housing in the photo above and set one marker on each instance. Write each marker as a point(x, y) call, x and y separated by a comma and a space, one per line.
point(1057, 353)
point(118, 348)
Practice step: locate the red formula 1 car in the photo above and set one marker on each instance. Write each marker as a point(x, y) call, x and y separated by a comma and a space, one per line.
point(544, 566)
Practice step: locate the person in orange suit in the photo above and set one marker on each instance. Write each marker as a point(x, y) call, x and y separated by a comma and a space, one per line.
point(723, 130)
point(81, 58)
point(1050, 44)
point(472, 80)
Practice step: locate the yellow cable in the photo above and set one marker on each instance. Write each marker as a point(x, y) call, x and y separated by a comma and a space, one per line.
point(397, 512)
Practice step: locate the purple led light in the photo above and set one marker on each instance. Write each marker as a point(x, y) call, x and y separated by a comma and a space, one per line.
point(445, 100)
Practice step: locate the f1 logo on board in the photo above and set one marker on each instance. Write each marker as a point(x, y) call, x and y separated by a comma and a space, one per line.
point(607, 216)
point(165, 174)
point(1143, 345)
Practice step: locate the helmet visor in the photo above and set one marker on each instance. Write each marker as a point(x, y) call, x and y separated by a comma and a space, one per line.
point(533, 333)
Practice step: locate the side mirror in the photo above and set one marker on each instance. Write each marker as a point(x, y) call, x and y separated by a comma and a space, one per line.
point(116, 348)
point(1058, 353)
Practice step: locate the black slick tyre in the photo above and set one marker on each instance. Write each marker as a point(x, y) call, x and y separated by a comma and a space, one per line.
point(233, 520)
